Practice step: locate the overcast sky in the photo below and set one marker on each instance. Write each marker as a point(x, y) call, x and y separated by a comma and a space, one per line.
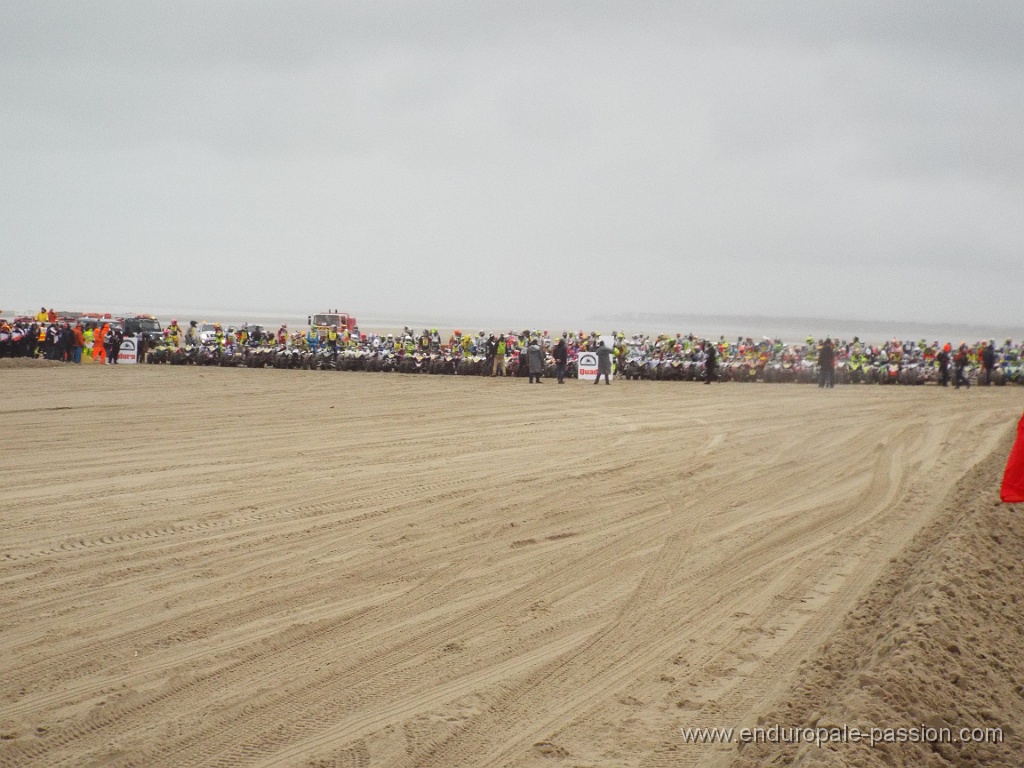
point(515, 159)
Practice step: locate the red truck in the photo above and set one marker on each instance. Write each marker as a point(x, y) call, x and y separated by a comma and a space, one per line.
point(322, 322)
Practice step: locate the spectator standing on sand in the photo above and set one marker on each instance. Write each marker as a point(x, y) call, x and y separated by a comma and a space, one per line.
point(604, 362)
point(500, 350)
point(943, 360)
point(99, 344)
point(711, 362)
point(90, 338)
point(960, 362)
point(33, 340)
point(826, 365)
point(560, 353)
point(77, 343)
point(50, 342)
point(535, 361)
point(67, 343)
point(490, 353)
point(113, 344)
point(988, 360)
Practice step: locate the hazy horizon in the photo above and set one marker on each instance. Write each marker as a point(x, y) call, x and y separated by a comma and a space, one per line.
point(791, 328)
point(526, 160)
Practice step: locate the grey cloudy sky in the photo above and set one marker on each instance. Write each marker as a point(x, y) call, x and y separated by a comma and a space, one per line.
point(516, 160)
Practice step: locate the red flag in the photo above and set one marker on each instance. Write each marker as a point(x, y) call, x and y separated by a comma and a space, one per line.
point(1012, 491)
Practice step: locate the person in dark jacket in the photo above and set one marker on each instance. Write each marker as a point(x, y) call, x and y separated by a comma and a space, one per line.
point(560, 353)
point(960, 363)
point(826, 365)
point(943, 360)
point(113, 344)
point(33, 340)
point(490, 364)
point(67, 343)
point(535, 361)
point(604, 362)
point(50, 342)
point(988, 361)
point(711, 362)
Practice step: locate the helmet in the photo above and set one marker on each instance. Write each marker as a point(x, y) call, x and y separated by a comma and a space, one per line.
point(193, 323)
point(174, 322)
point(458, 332)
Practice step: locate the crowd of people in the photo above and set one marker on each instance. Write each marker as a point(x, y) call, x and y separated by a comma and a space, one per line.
point(50, 337)
point(537, 353)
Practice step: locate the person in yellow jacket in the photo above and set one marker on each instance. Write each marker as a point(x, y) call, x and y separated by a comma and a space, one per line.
point(174, 334)
point(89, 337)
point(500, 350)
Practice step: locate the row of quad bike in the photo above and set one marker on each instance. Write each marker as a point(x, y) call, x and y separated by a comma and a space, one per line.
point(802, 371)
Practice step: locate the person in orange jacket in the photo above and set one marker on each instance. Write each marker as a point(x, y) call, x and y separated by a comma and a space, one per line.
point(77, 343)
point(99, 351)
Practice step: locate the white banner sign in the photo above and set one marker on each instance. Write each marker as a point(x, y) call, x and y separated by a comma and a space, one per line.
point(587, 366)
point(128, 354)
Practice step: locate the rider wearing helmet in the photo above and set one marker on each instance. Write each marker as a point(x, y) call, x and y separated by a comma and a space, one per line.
point(173, 333)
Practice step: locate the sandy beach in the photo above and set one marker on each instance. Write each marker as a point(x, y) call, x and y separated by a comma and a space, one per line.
point(232, 567)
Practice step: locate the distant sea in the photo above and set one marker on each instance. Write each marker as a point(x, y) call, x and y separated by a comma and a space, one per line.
point(799, 328)
point(789, 329)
